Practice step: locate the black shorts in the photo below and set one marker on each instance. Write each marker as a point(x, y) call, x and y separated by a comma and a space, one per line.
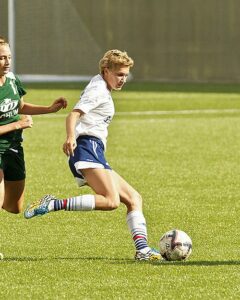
point(13, 165)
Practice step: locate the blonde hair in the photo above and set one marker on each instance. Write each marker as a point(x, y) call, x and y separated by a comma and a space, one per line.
point(113, 59)
point(3, 41)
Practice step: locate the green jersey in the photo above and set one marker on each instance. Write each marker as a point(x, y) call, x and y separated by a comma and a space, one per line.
point(10, 96)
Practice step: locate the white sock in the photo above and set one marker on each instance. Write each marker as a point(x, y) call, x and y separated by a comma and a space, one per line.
point(78, 203)
point(137, 226)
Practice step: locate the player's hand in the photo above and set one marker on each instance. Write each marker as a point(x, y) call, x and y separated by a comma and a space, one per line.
point(25, 122)
point(69, 146)
point(58, 104)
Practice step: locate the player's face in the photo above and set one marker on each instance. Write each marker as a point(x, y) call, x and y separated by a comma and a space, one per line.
point(116, 78)
point(5, 59)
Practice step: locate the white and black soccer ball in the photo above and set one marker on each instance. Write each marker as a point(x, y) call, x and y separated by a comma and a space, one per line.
point(175, 245)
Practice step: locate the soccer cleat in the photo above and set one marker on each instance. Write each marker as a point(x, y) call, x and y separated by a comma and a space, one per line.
point(152, 254)
point(39, 207)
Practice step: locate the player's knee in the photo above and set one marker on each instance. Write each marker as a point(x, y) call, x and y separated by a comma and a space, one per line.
point(139, 199)
point(113, 202)
point(135, 201)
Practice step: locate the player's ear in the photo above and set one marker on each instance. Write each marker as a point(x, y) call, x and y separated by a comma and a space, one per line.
point(106, 71)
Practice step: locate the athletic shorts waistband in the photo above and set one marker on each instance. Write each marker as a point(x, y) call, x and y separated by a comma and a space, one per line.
point(94, 138)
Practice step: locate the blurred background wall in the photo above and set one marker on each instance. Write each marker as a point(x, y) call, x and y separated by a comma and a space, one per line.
point(170, 40)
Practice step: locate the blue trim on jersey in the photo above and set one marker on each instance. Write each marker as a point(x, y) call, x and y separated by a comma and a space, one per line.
point(89, 149)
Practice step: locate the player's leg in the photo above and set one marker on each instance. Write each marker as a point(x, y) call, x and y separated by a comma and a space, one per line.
point(88, 165)
point(102, 183)
point(1, 188)
point(14, 179)
point(1, 195)
point(128, 195)
point(14, 196)
point(108, 191)
point(135, 219)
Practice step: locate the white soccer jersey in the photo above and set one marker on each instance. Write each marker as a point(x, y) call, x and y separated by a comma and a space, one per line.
point(98, 107)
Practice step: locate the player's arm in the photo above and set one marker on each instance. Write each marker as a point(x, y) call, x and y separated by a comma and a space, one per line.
point(23, 123)
point(32, 109)
point(71, 120)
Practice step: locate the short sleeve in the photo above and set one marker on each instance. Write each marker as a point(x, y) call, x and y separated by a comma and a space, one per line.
point(88, 101)
point(20, 88)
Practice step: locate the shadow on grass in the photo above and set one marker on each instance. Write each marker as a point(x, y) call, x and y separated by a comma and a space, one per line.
point(165, 263)
point(38, 259)
point(199, 263)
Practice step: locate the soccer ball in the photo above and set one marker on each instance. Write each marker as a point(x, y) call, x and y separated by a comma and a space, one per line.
point(175, 245)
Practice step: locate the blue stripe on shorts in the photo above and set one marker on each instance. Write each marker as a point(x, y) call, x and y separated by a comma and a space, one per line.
point(89, 149)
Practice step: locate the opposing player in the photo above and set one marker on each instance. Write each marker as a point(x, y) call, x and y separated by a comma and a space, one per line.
point(12, 165)
point(86, 128)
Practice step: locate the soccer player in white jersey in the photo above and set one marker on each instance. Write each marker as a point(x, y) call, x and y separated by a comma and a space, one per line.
point(86, 128)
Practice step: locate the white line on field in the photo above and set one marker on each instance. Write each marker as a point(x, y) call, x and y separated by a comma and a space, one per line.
point(161, 112)
point(179, 112)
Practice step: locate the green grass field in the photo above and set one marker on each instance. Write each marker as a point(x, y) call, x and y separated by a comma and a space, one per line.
point(186, 165)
